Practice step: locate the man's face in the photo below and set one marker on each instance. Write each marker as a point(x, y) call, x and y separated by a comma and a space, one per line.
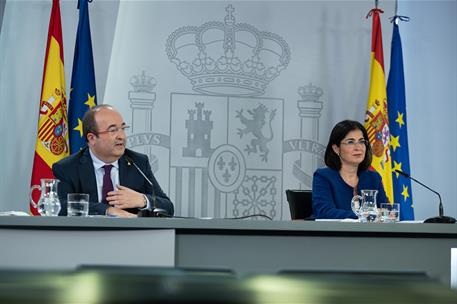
point(109, 142)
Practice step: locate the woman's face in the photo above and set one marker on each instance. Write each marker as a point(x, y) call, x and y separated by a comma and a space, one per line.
point(352, 148)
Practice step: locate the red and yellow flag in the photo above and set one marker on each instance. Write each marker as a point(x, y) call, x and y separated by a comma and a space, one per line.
point(377, 119)
point(52, 136)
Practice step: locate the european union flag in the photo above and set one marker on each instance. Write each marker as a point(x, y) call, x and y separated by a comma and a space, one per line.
point(82, 94)
point(398, 126)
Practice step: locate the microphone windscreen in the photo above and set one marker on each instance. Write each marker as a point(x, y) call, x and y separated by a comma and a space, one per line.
point(402, 173)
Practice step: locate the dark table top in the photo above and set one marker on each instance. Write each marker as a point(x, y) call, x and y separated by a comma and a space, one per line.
point(107, 284)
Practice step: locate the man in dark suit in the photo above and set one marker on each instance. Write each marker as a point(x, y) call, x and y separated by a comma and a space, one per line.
point(108, 172)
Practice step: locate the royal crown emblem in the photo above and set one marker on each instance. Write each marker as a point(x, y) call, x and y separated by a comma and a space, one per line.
point(228, 58)
point(143, 83)
point(310, 92)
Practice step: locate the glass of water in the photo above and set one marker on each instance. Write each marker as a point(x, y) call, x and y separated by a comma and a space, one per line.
point(390, 213)
point(78, 204)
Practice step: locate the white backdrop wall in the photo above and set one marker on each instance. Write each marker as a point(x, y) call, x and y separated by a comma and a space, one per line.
point(430, 58)
point(224, 174)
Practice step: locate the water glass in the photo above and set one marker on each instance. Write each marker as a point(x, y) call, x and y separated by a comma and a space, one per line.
point(78, 204)
point(390, 213)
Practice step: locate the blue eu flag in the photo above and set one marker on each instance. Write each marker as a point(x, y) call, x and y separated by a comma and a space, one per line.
point(82, 94)
point(398, 126)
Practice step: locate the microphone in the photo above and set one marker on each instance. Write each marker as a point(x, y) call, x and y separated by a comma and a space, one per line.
point(155, 212)
point(437, 219)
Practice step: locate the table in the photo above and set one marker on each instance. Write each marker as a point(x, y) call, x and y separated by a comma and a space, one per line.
point(243, 246)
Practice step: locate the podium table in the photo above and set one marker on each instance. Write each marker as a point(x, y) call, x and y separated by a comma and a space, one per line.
point(242, 246)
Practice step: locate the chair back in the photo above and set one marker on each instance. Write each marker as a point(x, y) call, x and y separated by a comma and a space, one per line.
point(300, 204)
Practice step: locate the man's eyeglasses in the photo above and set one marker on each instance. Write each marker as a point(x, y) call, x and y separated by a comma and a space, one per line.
point(113, 130)
point(352, 142)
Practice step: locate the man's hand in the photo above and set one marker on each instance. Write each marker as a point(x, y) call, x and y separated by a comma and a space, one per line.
point(119, 213)
point(124, 198)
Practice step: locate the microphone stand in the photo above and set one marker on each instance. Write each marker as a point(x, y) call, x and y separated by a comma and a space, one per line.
point(437, 219)
point(155, 212)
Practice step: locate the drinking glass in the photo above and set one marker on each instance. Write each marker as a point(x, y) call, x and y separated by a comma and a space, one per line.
point(77, 204)
point(390, 213)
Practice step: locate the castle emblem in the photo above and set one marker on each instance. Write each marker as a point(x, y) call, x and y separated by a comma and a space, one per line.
point(198, 132)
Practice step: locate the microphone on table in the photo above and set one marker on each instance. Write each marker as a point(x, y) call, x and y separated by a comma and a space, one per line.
point(155, 212)
point(437, 219)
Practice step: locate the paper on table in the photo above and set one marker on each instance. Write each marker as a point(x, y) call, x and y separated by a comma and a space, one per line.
point(14, 213)
point(347, 220)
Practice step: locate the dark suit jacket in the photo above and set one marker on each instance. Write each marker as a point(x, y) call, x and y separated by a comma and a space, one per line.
point(76, 174)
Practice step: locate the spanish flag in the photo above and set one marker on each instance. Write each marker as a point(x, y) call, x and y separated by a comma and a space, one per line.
point(377, 119)
point(52, 135)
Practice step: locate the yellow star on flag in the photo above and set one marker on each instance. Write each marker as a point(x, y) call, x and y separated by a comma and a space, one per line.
point(79, 127)
point(397, 166)
point(399, 119)
point(394, 142)
point(90, 101)
point(405, 192)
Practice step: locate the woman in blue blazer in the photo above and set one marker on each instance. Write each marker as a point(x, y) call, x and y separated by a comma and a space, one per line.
point(348, 157)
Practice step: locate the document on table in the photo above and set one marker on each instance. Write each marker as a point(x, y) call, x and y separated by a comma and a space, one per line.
point(13, 213)
point(347, 220)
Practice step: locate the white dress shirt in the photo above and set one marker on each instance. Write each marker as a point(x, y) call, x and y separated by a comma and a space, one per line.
point(100, 172)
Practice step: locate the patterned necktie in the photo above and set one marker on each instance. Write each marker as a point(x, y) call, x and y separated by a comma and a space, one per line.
point(107, 183)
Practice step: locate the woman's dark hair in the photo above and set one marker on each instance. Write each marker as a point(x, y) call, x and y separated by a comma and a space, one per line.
point(89, 123)
point(339, 132)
